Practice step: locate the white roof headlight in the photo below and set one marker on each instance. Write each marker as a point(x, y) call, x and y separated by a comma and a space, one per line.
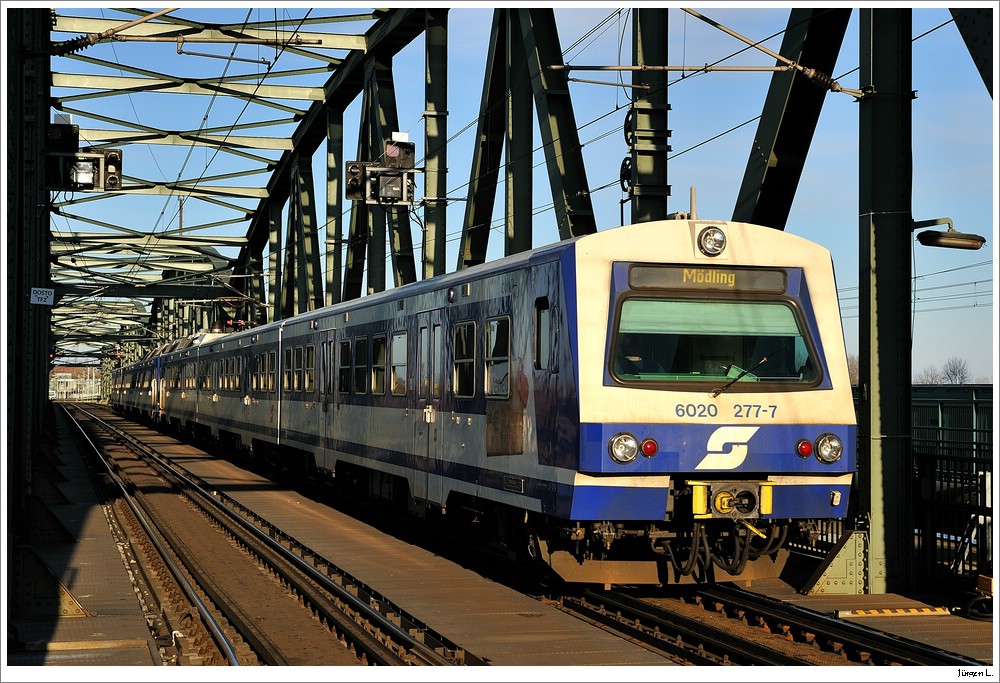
point(712, 241)
point(829, 448)
point(623, 448)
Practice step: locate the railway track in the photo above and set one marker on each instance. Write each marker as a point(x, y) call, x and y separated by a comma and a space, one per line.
point(845, 639)
point(724, 625)
point(334, 618)
point(259, 597)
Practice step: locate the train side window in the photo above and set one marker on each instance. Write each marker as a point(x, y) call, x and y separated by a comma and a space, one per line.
point(397, 358)
point(287, 370)
point(297, 377)
point(464, 374)
point(379, 359)
point(498, 357)
point(543, 346)
point(361, 365)
point(331, 364)
point(344, 367)
point(309, 379)
point(323, 378)
point(423, 363)
point(272, 370)
point(255, 376)
point(437, 363)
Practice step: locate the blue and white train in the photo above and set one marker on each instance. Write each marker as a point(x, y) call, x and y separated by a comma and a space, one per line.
point(657, 403)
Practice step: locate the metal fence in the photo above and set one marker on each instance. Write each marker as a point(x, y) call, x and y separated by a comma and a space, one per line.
point(953, 480)
point(951, 487)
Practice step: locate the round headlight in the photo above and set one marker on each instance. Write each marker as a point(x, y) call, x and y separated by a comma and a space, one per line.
point(712, 241)
point(623, 448)
point(829, 448)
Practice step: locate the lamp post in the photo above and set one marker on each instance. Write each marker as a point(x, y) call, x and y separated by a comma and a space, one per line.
point(950, 239)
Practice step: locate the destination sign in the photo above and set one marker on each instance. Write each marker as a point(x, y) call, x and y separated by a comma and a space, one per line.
point(707, 278)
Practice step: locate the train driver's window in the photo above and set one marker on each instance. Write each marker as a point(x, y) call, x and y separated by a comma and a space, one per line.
point(397, 359)
point(708, 340)
point(498, 357)
point(543, 347)
point(637, 354)
point(464, 375)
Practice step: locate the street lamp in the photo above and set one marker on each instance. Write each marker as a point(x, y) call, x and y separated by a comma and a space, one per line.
point(951, 238)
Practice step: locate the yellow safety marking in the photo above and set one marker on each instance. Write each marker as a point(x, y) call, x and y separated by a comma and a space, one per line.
point(897, 612)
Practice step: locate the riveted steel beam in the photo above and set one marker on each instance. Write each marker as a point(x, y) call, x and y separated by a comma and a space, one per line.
point(788, 121)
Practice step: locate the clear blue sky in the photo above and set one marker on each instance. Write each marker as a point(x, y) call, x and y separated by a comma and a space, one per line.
point(713, 123)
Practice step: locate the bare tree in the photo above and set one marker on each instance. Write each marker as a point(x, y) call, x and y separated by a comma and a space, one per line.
point(854, 369)
point(929, 375)
point(956, 371)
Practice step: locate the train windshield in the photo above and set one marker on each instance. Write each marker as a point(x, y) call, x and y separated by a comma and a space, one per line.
point(686, 340)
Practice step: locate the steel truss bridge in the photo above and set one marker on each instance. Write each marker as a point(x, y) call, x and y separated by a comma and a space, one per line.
point(105, 264)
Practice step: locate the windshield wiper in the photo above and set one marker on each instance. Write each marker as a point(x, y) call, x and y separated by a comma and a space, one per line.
point(734, 380)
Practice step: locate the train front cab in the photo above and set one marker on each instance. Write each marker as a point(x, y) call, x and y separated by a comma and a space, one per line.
point(744, 422)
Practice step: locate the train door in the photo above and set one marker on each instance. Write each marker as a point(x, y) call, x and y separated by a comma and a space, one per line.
point(160, 378)
point(245, 388)
point(429, 420)
point(154, 389)
point(327, 364)
point(262, 411)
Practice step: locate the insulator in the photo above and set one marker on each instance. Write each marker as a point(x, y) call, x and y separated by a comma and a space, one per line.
point(821, 79)
point(625, 175)
point(627, 129)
